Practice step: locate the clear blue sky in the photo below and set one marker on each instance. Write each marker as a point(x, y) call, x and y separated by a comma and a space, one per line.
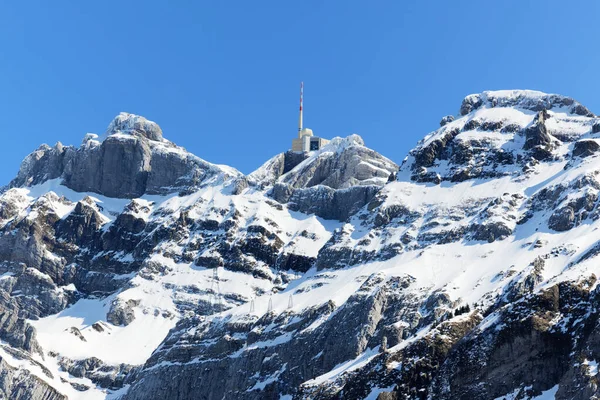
point(221, 78)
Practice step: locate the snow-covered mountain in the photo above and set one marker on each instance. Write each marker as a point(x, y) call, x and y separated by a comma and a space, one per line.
point(133, 269)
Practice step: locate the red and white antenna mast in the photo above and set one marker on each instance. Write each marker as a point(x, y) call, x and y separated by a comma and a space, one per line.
point(301, 101)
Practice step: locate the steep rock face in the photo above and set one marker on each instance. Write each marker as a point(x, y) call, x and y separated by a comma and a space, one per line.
point(14, 329)
point(270, 172)
point(118, 167)
point(341, 164)
point(264, 370)
point(333, 182)
point(537, 139)
point(527, 349)
point(132, 159)
point(585, 148)
point(325, 201)
point(135, 125)
point(111, 377)
point(43, 164)
point(407, 370)
point(21, 385)
point(497, 134)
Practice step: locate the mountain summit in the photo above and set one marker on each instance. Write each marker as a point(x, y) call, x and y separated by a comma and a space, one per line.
point(132, 269)
point(498, 133)
point(130, 160)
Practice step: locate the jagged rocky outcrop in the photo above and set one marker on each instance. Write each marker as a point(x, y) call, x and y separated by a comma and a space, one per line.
point(523, 99)
point(332, 183)
point(264, 371)
point(527, 349)
point(270, 172)
point(324, 201)
point(482, 141)
point(585, 148)
point(99, 373)
point(537, 139)
point(343, 163)
point(130, 160)
point(20, 384)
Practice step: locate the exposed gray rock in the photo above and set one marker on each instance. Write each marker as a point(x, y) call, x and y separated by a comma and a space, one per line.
point(18, 384)
point(413, 380)
point(329, 203)
point(570, 204)
point(562, 219)
point(446, 120)
point(291, 160)
point(239, 185)
point(425, 156)
point(282, 192)
point(585, 148)
point(491, 232)
point(525, 350)
point(345, 333)
point(135, 125)
point(341, 164)
point(523, 283)
point(75, 331)
point(294, 262)
point(333, 183)
point(121, 312)
point(525, 99)
point(81, 225)
point(537, 139)
point(470, 103)
point(471, 125)
point(13, 328)
point(133, 159)
point(105, 376)
point(270, 172)
point(119, 167)
point(43, 164)
point(397, 212)
point(462, 150)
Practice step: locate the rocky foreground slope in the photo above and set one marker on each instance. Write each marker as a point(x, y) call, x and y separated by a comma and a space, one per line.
point(132, 269)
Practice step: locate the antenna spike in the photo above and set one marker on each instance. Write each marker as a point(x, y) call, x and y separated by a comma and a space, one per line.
point(301, 106)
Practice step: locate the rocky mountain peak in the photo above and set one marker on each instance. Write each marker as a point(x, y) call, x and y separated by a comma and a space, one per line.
point(131, 124)
point(342, 163)
point(131, 159)
point(531, 100)
point(340, 144)
point(332, 182)
point(500, 133)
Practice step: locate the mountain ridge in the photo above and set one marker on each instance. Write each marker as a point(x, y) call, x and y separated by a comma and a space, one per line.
point(328, 275)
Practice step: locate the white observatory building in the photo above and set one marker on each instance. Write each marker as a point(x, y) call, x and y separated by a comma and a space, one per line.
point(306, 140)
